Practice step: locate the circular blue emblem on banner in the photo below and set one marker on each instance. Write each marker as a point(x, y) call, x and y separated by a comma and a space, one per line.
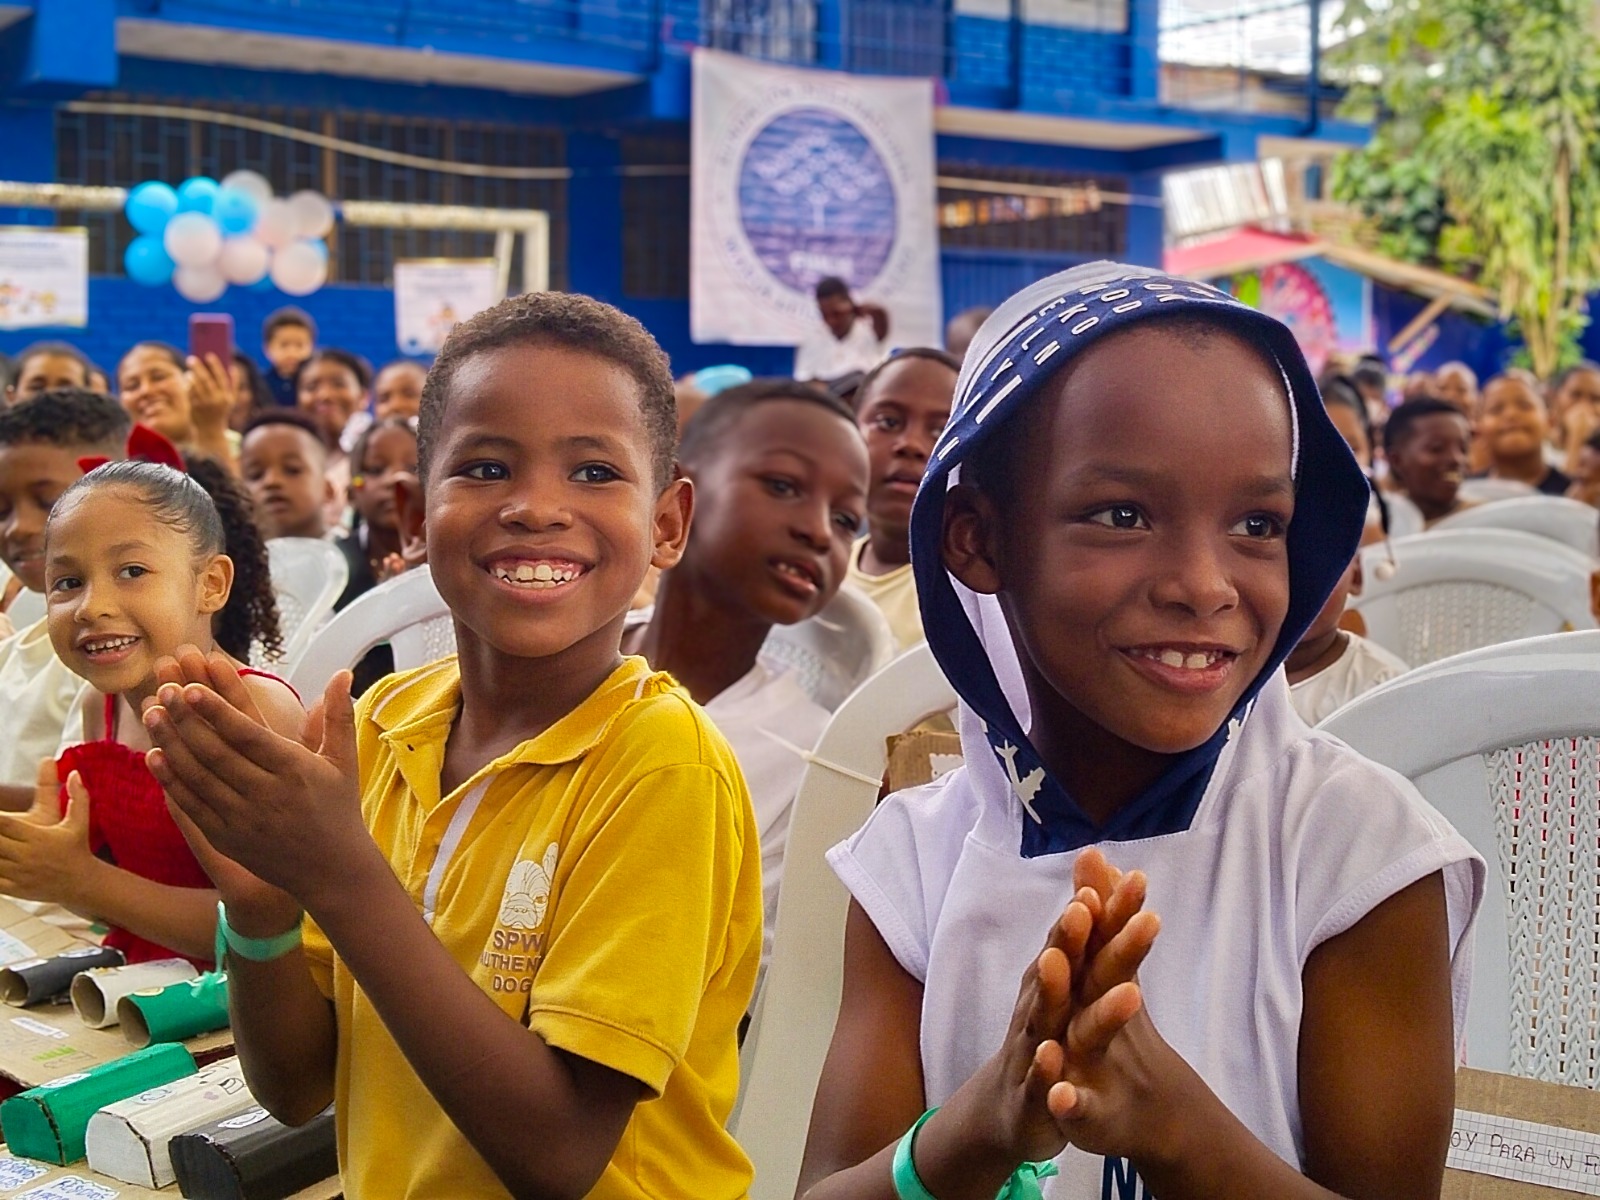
point(816, 199)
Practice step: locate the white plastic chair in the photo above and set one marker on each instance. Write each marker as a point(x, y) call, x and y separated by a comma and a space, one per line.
point(1487, 491)
point(836, 651)
point(1570, 522)
point(1454, 591)
point(406, 611)
point(1505, 743)
point(308, 576)
point(794, 1016)
point(1405, 518)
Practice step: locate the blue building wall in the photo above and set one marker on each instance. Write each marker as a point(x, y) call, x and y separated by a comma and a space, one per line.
point(67, 48)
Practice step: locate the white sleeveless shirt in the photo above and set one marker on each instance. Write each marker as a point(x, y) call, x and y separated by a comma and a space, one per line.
point(1295, 840)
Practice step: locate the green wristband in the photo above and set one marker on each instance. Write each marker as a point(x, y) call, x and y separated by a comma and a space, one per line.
point(257, 949)
point(1023, 1184)
point(907, 1183)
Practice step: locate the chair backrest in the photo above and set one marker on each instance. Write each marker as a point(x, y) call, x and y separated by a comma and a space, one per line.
point(1505, 743)
point(1457, 590)
point(406, 611)
point(308, 576)
point(1570, 522)
point(794, 1016)
point(836, 651)
point(1486, 491)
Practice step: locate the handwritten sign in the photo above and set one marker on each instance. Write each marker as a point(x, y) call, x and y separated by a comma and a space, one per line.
point(1524, 1151)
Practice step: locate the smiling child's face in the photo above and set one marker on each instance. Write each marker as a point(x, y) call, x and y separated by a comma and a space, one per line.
point(32, 477)
point(542, 511)
point(1141, 559)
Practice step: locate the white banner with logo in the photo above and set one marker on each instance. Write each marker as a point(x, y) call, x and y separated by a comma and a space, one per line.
point(434, 295)
point(44, 277)
point(799, 175)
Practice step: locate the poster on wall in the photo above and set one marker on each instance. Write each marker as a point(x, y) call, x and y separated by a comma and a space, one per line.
point(434, 295)
point(798, 175)
point(44, 277)
point(1328, 307)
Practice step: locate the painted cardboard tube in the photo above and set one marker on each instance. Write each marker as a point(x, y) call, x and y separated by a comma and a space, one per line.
point(49, 1122)
point(175, 1012)
point(253, 1157)
point(42, 979)
point(95, 993)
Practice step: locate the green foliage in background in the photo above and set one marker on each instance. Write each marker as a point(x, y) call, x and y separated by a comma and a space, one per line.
point(1486, 156)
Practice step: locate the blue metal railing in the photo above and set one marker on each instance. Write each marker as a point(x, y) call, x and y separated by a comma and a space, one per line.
point(1104, 48)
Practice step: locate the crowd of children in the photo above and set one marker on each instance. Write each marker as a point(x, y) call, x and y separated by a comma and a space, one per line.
point(533, 886)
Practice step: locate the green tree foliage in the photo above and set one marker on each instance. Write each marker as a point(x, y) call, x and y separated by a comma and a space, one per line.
point(1486, 157)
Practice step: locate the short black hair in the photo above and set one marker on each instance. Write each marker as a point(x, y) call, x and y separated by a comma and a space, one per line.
point(260, 397)
point(350, 361)
point(69, 418)
point(572, 322)
point(930, 353)
point(832, 285)
point(1370, 369)
point(358, 452)
point(1563, 376)
point(213, 510)
point(277, 417)
point(40, 349)
point(1403, 420)
point(718, 416)
point(287, 317)
point(165, 349)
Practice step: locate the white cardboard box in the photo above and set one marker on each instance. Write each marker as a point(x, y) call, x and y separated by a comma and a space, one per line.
point(129, 1140)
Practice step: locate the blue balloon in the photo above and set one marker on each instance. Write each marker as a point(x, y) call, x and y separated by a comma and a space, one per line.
point(147, 261)
point(150, 206)
point(198, 194)
point(235, 212)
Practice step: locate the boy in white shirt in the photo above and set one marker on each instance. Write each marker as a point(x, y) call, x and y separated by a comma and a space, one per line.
point(1331, 666)
point(41, 441)
point(780, 482)
point(854, 337)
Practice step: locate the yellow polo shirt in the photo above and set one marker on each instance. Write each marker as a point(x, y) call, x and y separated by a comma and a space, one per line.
point(602, 882)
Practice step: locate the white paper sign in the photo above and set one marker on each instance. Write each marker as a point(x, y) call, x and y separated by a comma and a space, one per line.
point(434, 295)
point(798, 175)
point(1525, 1151)
point(44, 277)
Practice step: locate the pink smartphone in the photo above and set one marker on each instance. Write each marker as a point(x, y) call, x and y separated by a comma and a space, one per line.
point(211, 333)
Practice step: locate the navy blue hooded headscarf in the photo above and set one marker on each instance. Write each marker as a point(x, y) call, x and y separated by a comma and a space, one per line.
point(1017, 352)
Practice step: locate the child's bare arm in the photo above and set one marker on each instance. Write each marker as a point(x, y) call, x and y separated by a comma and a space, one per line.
point(493, 1077)
point(1377, 1072)
point(871, 1089)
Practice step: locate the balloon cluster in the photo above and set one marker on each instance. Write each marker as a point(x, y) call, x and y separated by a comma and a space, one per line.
point(204, 235)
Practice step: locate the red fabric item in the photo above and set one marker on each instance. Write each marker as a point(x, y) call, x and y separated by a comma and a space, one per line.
point(129, 824)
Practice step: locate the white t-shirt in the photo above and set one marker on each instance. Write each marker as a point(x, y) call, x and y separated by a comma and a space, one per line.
point(766, 718)
point(36, 694)
point(1362, 667)
point(823, 356)
point(1296, 839)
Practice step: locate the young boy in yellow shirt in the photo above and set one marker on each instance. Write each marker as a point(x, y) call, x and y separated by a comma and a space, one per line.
point(530, 873)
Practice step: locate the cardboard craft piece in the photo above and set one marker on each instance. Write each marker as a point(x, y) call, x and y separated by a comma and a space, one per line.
point(95, 993)
point(23, 1178)
point(177, 1011)
point(49, 1122)
point(254, 1157)
point(35, 980)
point(920, 757)
point(44, 1043)
point(128, 1140)
point(1520, 1139)
point(24, 936)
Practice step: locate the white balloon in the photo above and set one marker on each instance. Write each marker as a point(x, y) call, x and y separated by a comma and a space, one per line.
point(243, 261)
point(192, 239)
point(251, 184)
point(298, 269)
point(275, 227)
point(201, 285)
point(313, 215)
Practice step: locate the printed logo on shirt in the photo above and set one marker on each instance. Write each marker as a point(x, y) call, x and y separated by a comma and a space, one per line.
point(528, 891)
point(1120, 1181)
point(517, 944)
